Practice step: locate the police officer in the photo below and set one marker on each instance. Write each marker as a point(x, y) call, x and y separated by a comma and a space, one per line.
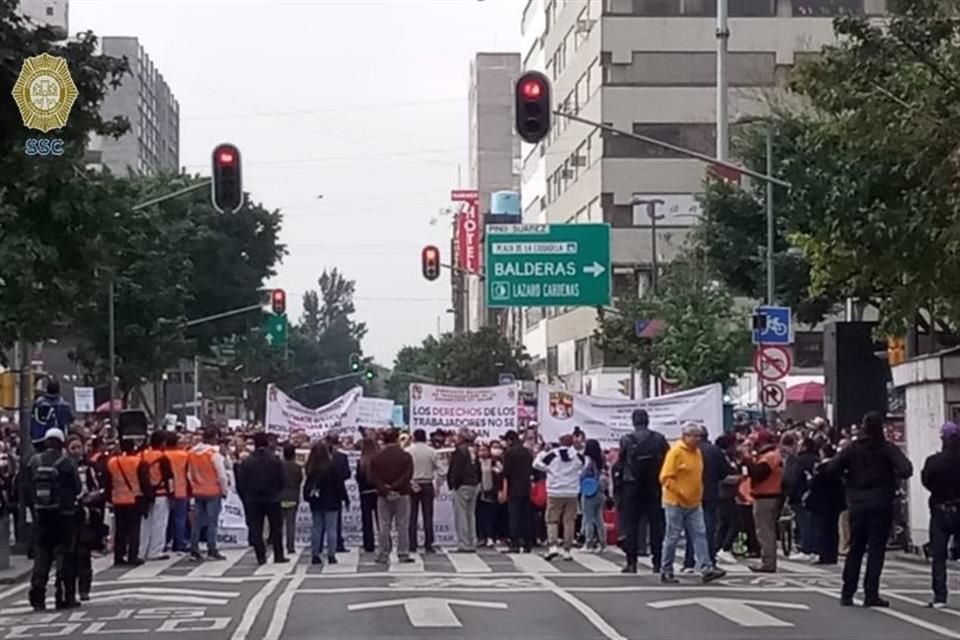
point(54, 487)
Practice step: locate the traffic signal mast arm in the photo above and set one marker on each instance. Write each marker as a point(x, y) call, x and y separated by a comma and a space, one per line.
point(671, 147)
point(175, 194)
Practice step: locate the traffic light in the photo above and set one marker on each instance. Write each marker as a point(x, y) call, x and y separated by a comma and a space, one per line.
point(278, 301)
point(227, 183)
point(355, 362)
point(624, 386)
point(896, 351)
point(532, 93)
point(369, 374)
point(430, 262)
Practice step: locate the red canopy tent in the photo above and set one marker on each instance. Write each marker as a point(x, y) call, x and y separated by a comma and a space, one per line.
point(806, 392)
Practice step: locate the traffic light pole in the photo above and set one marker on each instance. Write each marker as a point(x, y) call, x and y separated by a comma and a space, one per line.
point(225, 314)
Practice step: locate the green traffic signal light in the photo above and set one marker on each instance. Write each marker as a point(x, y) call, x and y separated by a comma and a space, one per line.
point(354, 362)
point(370, 374)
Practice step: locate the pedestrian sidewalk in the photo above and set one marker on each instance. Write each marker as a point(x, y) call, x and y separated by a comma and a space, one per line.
point(20, 567)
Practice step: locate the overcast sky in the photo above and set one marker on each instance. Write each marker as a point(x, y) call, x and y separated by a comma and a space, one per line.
point(362, 101)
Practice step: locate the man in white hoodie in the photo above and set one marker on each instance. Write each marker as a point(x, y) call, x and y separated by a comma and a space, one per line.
point(207, 476)
point(562, 466)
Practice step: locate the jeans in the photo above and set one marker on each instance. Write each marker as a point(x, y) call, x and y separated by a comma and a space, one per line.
point(394, 511)
point(728, 524)
point(806, 529)
point(422, 500)
point(369, 521)
point(710, 521)
point(869, 532)
point(208, 515)
point(943, 524)
point(289, 515)
point(271, 511)
point(520, 511)
point(465, 517)
point(594, 531)
point(54, 543)
point(639, 508)
point(178, 519)
point(486, 520)
point(324, 524)
point(561, 510)
point(766, 514)
point(828, 536)
point(680, 519)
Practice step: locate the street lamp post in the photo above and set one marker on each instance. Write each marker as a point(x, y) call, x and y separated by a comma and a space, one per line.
point(654, 217)
point(771, 227)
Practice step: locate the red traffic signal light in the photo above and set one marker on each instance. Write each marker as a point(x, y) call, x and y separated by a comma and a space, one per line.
point(278, 301)
point(532, 106)
point(227, 181)
point(430, 262)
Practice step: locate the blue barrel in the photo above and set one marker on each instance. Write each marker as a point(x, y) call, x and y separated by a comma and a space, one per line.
point(505, 203)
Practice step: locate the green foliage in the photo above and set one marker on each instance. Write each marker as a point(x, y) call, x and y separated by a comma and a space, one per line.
point(473, 359)
point(704, 338)
point(49, 215)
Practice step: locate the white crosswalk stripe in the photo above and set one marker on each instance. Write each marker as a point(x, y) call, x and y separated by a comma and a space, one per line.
point(532, 563)
point(216, 568)
point(411, 567)
point(152, 569)
point(468, 563)
point(274, 569)
point(346, 563)
point(595, 563)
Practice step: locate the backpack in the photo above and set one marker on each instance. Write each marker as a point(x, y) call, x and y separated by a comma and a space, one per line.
point(46, 486)
point(43, 419)
point(589, 484)
point(644, 458)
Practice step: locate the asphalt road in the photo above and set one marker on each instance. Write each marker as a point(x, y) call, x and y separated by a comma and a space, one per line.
point(490, 595)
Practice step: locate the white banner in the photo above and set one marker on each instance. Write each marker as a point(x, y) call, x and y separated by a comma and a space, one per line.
point(487, 411)
point(286, 416)
point(609, 419)
point(374, 412)
point(83, 400)
point(232, 531)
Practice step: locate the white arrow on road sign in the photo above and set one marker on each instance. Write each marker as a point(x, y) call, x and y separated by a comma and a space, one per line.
point(594, 269)
point(742, 612)
point(269, 339)
point(429, 612)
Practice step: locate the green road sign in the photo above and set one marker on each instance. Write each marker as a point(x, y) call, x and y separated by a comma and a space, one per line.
point(275, 330)
point(548, 265)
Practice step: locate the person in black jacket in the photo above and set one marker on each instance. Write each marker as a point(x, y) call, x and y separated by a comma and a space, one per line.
point(369, 522)
point(871, 469)
point(324, 490)
point(463, 478)
point(342, 465)
point(825, 501)
point(260, 482)
point(518, 476)
point(89, 517)
point(797, 470)
point(53, 489)
point(940, 476)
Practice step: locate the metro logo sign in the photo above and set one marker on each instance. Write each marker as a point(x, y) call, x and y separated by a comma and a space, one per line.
point(469, 248)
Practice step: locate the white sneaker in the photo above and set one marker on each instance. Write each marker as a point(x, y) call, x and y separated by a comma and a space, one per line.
point(801, 557)
point(726, 557)
point(551, 553)
point(688, 571)
point(567, 555)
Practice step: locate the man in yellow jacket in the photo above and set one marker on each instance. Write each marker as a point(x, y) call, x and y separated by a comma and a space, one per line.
point(682, 480)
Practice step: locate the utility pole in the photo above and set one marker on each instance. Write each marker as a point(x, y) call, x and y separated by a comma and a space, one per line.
point(196, 386)
point(723, 38)
point(112, 348)
point(22, 363)
point(651, 206)
point(770, 225)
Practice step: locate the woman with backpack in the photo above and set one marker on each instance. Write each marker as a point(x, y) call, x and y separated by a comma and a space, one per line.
point(593, 494)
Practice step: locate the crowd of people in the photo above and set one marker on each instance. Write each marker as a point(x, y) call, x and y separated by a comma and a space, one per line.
point(725, 498)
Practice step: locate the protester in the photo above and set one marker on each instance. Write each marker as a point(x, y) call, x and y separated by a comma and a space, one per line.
point(369, 521)
point(766, 484)
point(594, 486)
point(639, 495)
point(391, 471)
point(125, 493)
point(491, 479)
point(54, 485)
point(260, 483)
point(157, 484)
point(324, 491)
point(180, 500)
point(290, 496)
point(463, 478)
point(797, 472)
point(871, 468)
point(208, 482)
point(342, 465)
point(422, 490)
point(714, 473)
point(562, 466)
point(941, 477)
point(682, 480)
point(728, 517)
point(517, 476)
point(825, 501)
point(89, 517)
point(50, 411)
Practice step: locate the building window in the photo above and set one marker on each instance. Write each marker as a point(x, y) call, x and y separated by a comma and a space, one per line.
point(696, 136)
point(624, 284)
point(580, 355)
point(49, 11)
point(690, 8)
point(827, 8)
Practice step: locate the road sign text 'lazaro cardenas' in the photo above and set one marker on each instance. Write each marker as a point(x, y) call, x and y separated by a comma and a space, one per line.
point(548, 265)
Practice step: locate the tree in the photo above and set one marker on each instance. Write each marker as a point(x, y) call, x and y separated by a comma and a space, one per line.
point(49, 214)
point(874, 161)
point(474, 359)
point(704, 337)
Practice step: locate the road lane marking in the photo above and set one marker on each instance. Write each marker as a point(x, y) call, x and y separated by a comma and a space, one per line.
point(346, 563)
point(281, 608)
point(274, 569)
point(744, 613)
point(532, 563)
point(150, 569)
point(799, 567)
point(896, 594)
point(467, 563)
point(428, 612)
point(595, 563)
point(253, 608)
point(215, 568)
point(583, 608)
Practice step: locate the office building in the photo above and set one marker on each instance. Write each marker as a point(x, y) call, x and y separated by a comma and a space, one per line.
point(647, 66)
point(153, 142)
point(54, 14)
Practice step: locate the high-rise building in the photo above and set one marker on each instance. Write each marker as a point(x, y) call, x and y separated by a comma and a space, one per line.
point(152, 143)
point(48, 13)
point(493, 162)
point(647, 66)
